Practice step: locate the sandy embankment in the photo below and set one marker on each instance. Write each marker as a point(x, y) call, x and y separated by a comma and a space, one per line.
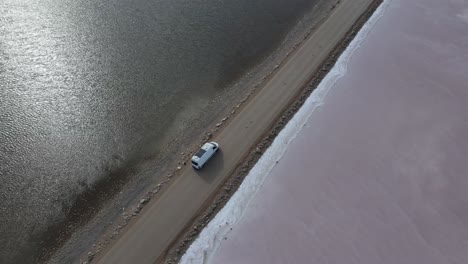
point(148, 238)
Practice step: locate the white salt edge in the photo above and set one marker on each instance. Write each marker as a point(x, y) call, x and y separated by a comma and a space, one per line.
point(212, 236)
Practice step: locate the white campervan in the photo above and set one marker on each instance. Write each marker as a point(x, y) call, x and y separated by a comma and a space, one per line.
point(204, 154)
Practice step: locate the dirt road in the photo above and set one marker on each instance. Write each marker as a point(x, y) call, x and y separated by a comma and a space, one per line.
point(163, 219)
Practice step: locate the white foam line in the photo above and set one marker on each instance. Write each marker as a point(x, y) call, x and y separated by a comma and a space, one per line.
point(212, 236)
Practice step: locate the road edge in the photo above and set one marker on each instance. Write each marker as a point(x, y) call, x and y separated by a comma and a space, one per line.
point(215, 203)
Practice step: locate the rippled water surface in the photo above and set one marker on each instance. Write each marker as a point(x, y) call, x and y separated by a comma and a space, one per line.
point(90, 87)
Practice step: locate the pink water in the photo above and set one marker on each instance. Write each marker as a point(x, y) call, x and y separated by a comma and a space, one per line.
point(380, 173)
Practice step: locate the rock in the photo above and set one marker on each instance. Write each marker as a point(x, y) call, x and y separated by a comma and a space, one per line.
point(179, 167)
point(218, 124)
point(90, 256)
point(209, 135)
point(143, 201)
point(84, 262)
point(258, 150)
point(183, 153)
point(224, 119)
point(185, 163)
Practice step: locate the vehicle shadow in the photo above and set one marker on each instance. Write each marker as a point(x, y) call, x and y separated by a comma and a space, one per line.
point(212, 168)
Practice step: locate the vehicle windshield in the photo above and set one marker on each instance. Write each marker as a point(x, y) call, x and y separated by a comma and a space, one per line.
point(194, 163)
point(200, 153)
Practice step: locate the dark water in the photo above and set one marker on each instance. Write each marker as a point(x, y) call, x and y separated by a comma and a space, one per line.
point(88, 87)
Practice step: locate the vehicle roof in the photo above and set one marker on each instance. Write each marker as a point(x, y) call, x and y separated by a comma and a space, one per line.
point(207, 146)
point(200, 153)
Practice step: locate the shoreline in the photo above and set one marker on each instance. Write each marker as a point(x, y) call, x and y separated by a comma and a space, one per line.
point(109, 221)
point(211, 238)
point(366, 176)
point(182, 243)
point(320, 71)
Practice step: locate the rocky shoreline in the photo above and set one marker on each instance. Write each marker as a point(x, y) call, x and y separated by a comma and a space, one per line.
point(125, 215)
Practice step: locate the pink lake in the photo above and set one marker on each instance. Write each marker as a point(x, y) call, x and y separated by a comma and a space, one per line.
point(379, 174)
